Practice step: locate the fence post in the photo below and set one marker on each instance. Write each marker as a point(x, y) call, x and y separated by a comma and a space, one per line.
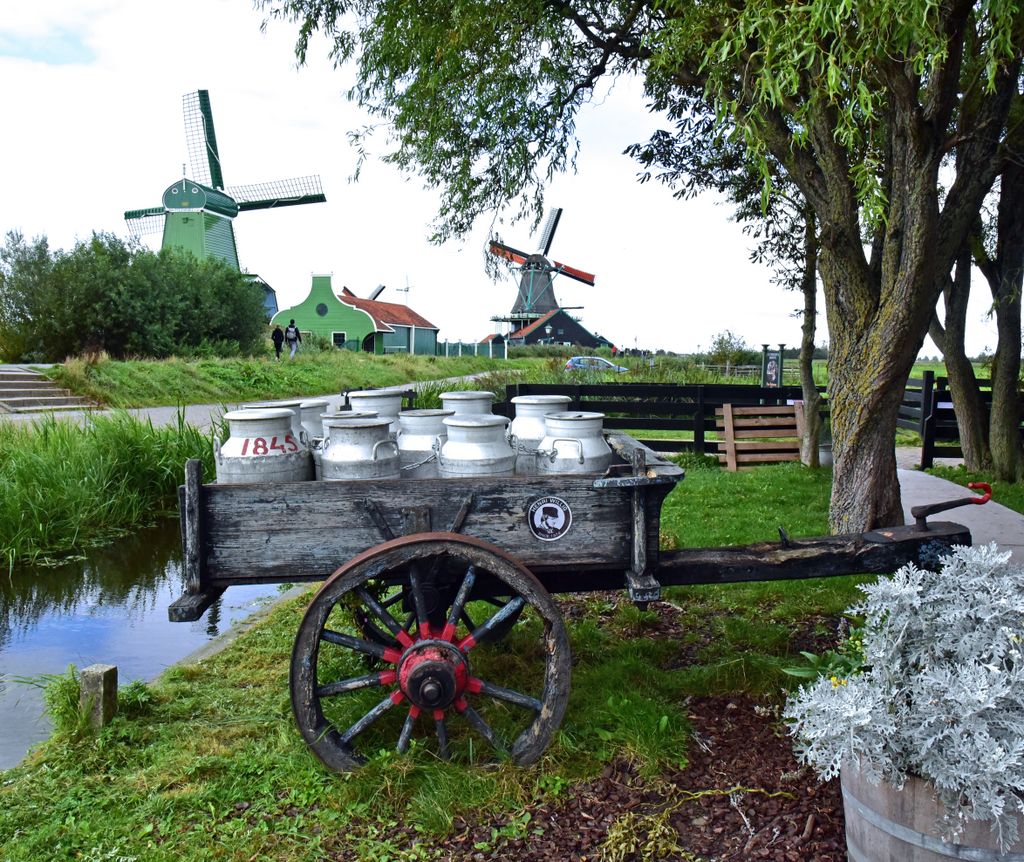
point(698, 422)
point(927, 427)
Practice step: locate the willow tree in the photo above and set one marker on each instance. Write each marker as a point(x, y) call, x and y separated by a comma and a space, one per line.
point(858, 101)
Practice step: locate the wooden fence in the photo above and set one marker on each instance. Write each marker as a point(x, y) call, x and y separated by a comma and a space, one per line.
point(653, 407)
point(927, 408)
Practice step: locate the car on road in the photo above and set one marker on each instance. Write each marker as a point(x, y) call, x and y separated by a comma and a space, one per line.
point(592, 363)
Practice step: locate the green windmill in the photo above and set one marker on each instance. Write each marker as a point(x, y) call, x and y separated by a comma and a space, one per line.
point(198, 211)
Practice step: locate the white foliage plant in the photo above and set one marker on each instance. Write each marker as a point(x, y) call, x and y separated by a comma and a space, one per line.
point(941, 693)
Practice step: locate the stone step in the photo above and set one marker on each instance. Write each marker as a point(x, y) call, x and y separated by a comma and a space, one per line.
point(9, 384)
point(34, 391)
point(15, 376)
point(44, 402)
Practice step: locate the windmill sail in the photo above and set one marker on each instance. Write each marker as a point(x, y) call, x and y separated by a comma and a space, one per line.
point(145, 222)
point(201, 140)
point(279, 193)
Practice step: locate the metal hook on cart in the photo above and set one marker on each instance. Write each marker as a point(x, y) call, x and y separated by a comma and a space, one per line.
point(921, 513)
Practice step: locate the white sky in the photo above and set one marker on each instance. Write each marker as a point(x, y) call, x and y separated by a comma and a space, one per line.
point(92, 98)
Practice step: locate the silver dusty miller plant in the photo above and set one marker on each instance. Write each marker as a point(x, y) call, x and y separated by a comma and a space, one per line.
point(941, 692)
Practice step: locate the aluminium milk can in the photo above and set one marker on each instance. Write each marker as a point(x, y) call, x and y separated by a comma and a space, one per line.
point(386, 403)
point(294, 406)
point(309, 416)
point(468, 402)
point(317, 446)
point(528, 427)
point(359, 449)
point(574, 444)
point(421, 433)
point(476, 446)
point(262, 448)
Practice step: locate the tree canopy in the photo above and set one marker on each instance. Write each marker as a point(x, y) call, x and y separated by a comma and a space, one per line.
point(887, 115)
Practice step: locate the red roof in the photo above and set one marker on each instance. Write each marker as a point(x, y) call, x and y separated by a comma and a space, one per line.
point(386, 314)
point(540, 321)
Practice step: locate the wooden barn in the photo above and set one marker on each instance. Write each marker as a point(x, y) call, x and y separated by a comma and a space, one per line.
point(557, 327)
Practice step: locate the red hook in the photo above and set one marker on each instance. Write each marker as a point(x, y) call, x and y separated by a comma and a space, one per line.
point(983, 486)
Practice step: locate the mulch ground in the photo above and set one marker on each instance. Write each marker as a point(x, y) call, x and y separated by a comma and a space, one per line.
point(741, 796)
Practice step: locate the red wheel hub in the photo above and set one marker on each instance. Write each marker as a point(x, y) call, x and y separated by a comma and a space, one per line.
point(433, 674)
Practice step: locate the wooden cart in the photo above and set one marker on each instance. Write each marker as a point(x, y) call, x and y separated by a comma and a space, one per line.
point(433, 585)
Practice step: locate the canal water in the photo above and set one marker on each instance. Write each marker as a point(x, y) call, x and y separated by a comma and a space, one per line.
point(110, 608)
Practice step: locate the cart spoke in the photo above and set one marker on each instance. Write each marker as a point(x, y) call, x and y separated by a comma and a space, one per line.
point(397, 597)
point(367, 720)
point(355, 683)
point(468, 620)
point(404, 736)
point(508, 695)
point(460, 602)
point(382, 614)
point(483, 728)
point(419, 600)
point(359, 645)
point(481, 632)
point(442, 738)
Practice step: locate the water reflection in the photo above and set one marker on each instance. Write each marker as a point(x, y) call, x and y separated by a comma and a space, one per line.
point(110, 607)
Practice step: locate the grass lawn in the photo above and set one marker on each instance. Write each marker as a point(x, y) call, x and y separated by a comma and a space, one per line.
point(206, 763)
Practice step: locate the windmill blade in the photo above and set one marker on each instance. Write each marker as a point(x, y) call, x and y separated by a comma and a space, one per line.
point(549, 231)
point(279, 193)
point(145, 222)
point(507, 252)
point(572, 272)
point(201, 140)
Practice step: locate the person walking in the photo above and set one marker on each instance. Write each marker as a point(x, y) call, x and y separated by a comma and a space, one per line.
point(293, 337)
point(277, 336)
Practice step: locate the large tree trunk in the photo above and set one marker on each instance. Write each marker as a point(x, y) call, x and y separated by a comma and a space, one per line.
point(1004, 433)
point(971, 412)
point(812, 399)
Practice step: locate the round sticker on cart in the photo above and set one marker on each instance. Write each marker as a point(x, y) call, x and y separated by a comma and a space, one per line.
point(550, 518)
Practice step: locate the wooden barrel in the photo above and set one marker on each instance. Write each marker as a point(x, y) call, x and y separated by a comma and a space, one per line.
point(888, 825)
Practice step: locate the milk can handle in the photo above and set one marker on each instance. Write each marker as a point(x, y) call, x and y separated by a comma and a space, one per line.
point(554, 448)
point(380, 443)
point(438, 444)
point(216, 450)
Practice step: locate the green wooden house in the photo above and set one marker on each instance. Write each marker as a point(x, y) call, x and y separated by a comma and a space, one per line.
point(353, 323)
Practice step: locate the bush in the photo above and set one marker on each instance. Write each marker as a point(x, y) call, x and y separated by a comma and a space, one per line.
point(106, 295)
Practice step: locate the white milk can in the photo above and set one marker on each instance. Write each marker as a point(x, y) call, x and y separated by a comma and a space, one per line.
point(317, 446)
point(359, 449)
point(309, 416)
point(294, 406)
point(262, 448)
point(468, 402)
point(528, 427)
point(574, 444)
point(476, 445)
point(421, 433)
point(385, 403)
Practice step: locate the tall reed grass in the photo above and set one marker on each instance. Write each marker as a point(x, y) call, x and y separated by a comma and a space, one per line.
point(68, 484)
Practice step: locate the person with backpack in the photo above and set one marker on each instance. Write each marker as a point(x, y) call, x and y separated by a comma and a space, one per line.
point(293, 337)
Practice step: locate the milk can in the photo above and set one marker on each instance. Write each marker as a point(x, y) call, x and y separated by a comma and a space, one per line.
point(316, 447)
point(468, 402)
point(421, 433)
point(294, 406)
point(528, 427)
point(359, 449)
point(309, 416)
point(262, 448)
point(344, 414)
point(574, 444)
point(386, 403)
point(476, 445)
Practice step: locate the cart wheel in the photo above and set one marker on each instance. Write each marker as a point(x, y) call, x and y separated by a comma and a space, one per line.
point(498, 622)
